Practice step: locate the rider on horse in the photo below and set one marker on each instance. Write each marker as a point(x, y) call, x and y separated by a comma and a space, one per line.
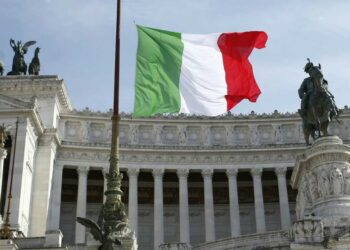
point(310, 84)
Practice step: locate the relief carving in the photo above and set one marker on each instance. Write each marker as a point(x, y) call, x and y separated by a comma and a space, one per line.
point(133, 134)
point(346, 176)
point(323, 182)
point(303, 200)
point(312, 183)
point(337, 181)
point(158, 134)
point(308, 231)
point(182, 135)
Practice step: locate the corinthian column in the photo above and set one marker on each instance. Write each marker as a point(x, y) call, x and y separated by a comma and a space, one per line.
point(234, 206)
point(158, 208)
point(183, 206)
point(283, 197)
point(81, 203)
point(133, 205)
point(208, 205)
point(258, 200)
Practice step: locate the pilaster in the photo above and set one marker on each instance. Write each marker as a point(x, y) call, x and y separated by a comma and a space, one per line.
point(42, 181)
point(55, 205)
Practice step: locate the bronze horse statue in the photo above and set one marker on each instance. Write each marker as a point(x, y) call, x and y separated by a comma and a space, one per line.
point(319, 107)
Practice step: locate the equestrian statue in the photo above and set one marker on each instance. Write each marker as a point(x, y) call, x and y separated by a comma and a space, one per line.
point(318, 106)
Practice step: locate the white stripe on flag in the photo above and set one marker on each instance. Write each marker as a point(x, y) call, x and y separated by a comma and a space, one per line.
point(202, 80)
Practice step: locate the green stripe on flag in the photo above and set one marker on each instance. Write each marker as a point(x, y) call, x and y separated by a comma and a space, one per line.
point(158, 68)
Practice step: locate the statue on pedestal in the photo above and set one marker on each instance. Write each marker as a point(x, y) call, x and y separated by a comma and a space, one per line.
point(318, 107)
point(19, 66)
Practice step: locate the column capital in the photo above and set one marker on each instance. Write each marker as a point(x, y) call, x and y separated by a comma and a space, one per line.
point(83, 170)
point(3, 153)
point(281, 171)
point(208, 172)
point(256, 171)
point(231, 172)
point(182, 172)
point(158, 172)
point(133, 172)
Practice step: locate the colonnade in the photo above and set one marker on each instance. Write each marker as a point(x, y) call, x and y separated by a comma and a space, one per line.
point(184, 224)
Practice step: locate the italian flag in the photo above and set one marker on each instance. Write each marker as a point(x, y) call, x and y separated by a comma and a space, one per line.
point(191, 73)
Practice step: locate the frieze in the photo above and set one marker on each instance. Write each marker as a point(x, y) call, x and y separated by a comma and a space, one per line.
point(179, 158)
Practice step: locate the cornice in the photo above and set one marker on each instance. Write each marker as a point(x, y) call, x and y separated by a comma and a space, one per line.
point(24, 85)
point(184, 148)
point(31, 113)
point(228, 117)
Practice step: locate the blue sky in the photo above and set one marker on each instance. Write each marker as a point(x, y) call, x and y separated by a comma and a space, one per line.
point(77, 40)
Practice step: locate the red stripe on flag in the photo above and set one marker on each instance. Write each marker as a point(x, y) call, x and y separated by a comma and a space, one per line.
point(235, 49)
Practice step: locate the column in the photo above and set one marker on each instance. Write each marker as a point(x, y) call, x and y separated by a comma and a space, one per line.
point(81, 203)
point(208, 205)
point(258, 200)
point(133, 202)
point(55, 206)
point(104, 173)
point(283, 196)
point(3, 154)
point(158, 208)
point(183, 206)
point(234, 206)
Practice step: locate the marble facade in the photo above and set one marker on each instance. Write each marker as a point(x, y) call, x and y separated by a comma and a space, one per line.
point(188, 179)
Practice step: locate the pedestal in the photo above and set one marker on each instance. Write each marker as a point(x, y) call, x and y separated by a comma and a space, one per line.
point(53, 238)
point(129, 242)
point(7, 245)
point(322, 177)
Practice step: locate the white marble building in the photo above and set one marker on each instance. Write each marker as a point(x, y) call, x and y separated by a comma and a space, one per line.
point(186, 178)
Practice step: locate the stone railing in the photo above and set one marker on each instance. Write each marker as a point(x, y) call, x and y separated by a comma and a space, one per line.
point(269, 240)
point(221, 132)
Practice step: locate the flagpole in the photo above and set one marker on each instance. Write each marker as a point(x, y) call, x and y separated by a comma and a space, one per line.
point(114, 176)
point(114, 213)
point(114, 158)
